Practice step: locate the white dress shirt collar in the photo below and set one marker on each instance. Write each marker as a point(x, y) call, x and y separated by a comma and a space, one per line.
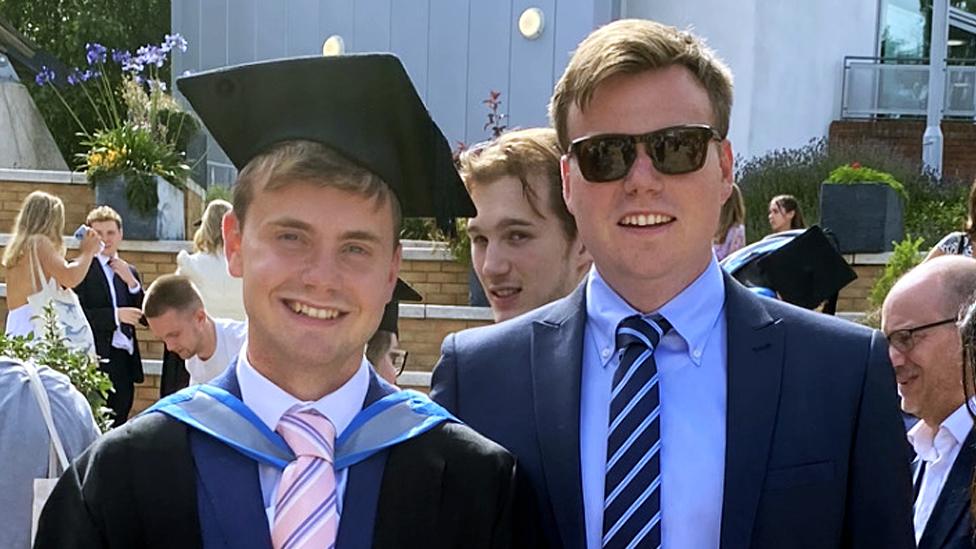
point(692, 313)
point(270, 402)
point(930, 444)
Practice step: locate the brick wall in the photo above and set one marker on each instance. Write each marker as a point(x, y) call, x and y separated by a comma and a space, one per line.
point(78, 201)
point(905, 137)
point(440, 282)
point(854, 297)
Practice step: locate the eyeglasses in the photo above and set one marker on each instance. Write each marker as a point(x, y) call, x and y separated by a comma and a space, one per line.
point(673, 151)
point(399, 359)
point(904, 340)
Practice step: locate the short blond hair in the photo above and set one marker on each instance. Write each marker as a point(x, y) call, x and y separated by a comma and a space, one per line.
point(632, 46)
point(532, 152)
point(294, 161)
point(103, 213)
point(208, 237)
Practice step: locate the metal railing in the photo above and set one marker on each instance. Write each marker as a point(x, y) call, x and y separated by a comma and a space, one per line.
point(895, 87)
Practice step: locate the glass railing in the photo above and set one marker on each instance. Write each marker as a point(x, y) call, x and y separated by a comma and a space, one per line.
point(877, 87)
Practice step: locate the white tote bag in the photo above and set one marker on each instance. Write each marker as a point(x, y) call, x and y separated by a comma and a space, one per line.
point(72, 323)
point(57, 459)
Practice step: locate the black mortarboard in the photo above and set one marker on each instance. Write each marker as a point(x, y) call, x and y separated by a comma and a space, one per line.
point(391, 313)
point(806, 271)
point(364, 106)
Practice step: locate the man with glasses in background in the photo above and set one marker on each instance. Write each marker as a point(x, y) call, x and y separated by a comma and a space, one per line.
point(383, 349)
point(754, 424)
point(919, 319)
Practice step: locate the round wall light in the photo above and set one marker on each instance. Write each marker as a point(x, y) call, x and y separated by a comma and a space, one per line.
point(333, 45)
point(531, 23)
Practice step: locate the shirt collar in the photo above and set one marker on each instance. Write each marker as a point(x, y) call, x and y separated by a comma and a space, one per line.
point(692, 313)
point(925, 440)
point(104, 259)
point(270, 402)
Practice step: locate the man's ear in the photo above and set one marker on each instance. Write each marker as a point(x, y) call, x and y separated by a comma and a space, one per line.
point(726, 162)
point(581, 257)
point(231, 228)
point(564, 168)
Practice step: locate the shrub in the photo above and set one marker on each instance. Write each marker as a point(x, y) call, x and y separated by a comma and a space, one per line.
point(934, 208)
point(854, 172)
point(51, 351)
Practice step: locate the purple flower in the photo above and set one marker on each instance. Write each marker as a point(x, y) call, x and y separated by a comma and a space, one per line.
point(75, 77)
point(45, 76)
point(174, 41)
point(95, 53)
point(132, 64)
point(151, 55)
point(120, 56)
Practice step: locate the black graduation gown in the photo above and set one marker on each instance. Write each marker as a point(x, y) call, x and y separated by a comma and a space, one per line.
point(156, 483)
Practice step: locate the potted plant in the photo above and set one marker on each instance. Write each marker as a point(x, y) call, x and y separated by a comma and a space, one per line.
point(135, 160)
point(864, 208)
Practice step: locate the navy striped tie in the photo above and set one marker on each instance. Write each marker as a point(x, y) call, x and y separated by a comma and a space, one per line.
point(632, 496)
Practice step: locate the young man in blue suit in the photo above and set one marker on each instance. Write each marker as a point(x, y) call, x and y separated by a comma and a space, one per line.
point(661, 403)
point(920, 318)
point(298, 444)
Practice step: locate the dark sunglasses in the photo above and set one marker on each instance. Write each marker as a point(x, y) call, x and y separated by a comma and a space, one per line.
point(673, 151)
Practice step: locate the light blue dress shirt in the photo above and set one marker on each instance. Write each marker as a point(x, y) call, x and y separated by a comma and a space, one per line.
point(691, 361)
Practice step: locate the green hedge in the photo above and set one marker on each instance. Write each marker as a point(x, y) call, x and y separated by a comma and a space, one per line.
point(933, 209)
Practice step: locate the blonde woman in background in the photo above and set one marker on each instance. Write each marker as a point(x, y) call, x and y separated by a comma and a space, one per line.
point(731, 233)
point(37, 234)
point(206, 267)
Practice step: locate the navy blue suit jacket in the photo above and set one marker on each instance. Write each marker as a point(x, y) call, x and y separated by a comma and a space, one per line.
point(815, 445)
point(951, 526)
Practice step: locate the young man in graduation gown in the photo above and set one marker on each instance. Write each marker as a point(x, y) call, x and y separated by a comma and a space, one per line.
point(299, 444)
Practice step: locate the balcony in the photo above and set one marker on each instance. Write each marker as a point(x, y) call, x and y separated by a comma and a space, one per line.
point(877, 87)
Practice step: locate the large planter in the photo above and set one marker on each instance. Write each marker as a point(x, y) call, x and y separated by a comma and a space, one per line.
point(865, 217)
point(166, 223)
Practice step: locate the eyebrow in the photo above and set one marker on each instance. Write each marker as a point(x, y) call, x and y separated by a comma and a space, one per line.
point(505, 223)
point(292, 223)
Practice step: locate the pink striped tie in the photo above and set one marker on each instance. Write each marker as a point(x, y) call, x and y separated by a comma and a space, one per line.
point(306, 513)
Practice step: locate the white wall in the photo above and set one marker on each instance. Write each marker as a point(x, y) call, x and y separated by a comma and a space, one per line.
point(787, 57)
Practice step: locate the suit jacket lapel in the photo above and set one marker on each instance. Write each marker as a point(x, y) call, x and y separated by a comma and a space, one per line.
point(229, 493)
point(754, 369)
point(557, 358)
point(953, 501)
point(362, 493)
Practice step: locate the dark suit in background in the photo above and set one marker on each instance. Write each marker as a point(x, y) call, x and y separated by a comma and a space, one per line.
point(815, 446)
point(950, 526)
point(123, 368)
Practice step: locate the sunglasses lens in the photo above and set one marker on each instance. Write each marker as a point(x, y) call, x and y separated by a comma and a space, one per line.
point(679, 150)
point(605, 158)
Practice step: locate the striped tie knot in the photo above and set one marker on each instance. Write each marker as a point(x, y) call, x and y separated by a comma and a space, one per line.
point(308, 433)
point(638, 330)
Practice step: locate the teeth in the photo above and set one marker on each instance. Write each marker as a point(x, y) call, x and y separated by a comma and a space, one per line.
point(642, 220)
point(313, 312)
point(505, 292)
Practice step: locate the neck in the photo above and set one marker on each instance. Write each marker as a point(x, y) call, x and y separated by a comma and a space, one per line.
point(647, 295)
point(309, 383)
point(209, 342)
point(936, 419)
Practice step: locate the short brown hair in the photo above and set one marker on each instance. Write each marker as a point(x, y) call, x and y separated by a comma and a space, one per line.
point(521, 154)
point(288, 162)
point(103, 213)
point(170, 292)
point(631, 46)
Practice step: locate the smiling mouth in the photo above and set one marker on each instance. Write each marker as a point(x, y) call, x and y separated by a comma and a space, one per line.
point(645, 220)
point(504, 293)
point(321, 313)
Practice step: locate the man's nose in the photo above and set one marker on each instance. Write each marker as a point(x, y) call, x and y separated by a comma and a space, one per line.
point(321, 270)
point(496, 260)
point(643, 176)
